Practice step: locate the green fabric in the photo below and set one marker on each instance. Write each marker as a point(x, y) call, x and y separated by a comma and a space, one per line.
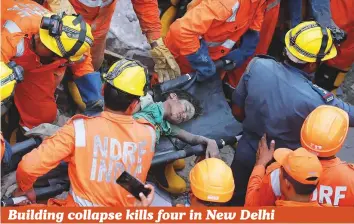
point(154, 114)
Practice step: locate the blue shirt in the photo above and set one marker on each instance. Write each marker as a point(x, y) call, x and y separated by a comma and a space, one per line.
point(277, 98)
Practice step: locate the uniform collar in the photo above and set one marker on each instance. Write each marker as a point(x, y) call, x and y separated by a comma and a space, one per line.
point(306, 75)
point(331, 162)
point(127, 119)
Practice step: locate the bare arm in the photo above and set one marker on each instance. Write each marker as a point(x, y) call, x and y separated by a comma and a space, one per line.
point(191, 139)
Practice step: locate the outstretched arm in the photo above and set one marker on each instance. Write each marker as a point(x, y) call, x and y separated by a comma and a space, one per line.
point(187, 137)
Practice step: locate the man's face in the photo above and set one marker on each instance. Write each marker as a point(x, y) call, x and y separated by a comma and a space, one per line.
point(181, 110)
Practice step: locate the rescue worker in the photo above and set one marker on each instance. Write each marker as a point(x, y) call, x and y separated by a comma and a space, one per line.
point(179, 106)
point(210, 30)
point(276, 97)
point(98, 149)
point(323, 133)
point(338, 16)
point(44, 45)
point(211, 182)
point(265, 38)
point(99, 14)
point(297, 177)
point(10, 75)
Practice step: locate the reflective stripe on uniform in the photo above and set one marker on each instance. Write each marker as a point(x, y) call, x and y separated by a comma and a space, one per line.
point(153, 137)
point(12, 27)
point(96, 3)
point(275, 181)
point(273, 4)
point(80, 133)
point(82, 202)
point(235, 8)
point(227, 44)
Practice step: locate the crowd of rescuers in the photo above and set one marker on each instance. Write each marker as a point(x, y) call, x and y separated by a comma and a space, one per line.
point(302, 137)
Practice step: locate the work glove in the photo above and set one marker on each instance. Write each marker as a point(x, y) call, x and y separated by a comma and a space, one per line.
point(43, 130)
point(202, 63)
point(238, 56)
point(166, 66)
point(321, 11)
point(90, 90)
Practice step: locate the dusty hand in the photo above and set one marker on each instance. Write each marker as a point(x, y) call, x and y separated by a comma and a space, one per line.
point(166, 66)
point(30, 194)
point(264, 154)
point(146, 201)
point(212, 150)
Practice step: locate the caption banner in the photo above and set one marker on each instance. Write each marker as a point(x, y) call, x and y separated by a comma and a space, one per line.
point(176, 215)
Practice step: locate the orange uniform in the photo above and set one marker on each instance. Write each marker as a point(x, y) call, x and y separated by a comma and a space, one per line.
point(336, 186)
point(343, 16)
point(34, 97)
point(98, 13)
point(266, 34)
point(263, 187)
point(98, 150)
point(220, 24)
point(2, 146)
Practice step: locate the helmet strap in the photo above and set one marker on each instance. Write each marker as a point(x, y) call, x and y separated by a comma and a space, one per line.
point(81, 40)
point(321, 53)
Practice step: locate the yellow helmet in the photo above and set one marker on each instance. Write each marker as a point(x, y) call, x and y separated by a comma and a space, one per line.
point(10, 75)
point(212, 180)
point(309, 42)
point(68, 36)
point(128, 76)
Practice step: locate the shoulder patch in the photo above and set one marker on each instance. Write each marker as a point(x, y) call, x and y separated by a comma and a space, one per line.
point(326, 96)
point(266, 57)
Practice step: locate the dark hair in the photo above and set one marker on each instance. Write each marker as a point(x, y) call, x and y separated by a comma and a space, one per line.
point(117, 100)
point(184, 95)
point(300, 188)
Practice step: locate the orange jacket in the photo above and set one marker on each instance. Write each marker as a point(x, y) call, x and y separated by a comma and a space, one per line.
point(220, 23)
point(281, 203)
point(343, 16)
point(266, 35)
point(98, 150)
point(101, 12)
point(263, 187)
point(34, 97)
point(2, 146)
point(336, 186)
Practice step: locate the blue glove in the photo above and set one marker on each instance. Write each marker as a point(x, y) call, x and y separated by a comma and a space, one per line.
point(90, 90)
point(247, 48)
point(321, 11)
point(202, 63)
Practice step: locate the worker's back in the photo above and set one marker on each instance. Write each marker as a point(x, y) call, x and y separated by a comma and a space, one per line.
point(97, 149)
point(279, 98)
point(336, 186)
point(105, 147)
